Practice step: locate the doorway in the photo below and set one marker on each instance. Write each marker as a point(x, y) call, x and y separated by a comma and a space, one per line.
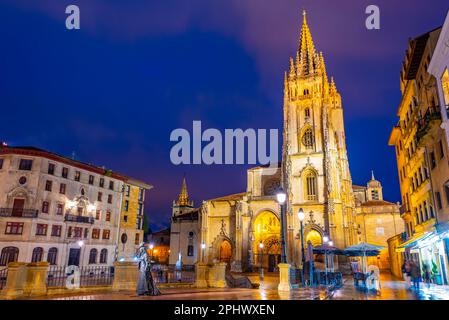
point(17, 207)
point(225, 252)
point(273, 261)
point(74, 257)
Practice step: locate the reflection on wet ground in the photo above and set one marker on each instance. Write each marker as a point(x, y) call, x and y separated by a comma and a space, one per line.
point(392, 289)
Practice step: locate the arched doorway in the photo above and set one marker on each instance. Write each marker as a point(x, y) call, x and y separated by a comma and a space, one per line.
point(314, 237)
point(9, 254)
point(266, 245)
point(225, 252)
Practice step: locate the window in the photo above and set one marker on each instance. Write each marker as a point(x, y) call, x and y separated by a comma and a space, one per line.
point(446, 191)
point(93, 256)
point(108, 215)
point(65, 172)
point(60, 209)
point(433, 162)
point(109, 198)
point(106, 234)
point(45, 206)
point(441, 149)
point(126, 206)
point(138, 223)
point(375, 194)
point(111, 185)
point(101, 182)
point(80, 211)
point(103, 255)
point(48, 185)
point(56, 230)
point(95, 233)
point(77, 176)
point(100, 196)
point(139, 209)
point(37, 254)
point(311, 189)
point(52, 256)
point(307, 139)
point(9, 254)
point(137, 239)
point(128, 190)
point(141, 194)
point(69, 232)
point(51, 168)
point(307, 113)
point(91, 179)
point(190, 250)
point(438, 198)
point(62, 188)
point(97, 215)
point(380, 231)
point(78, 232)
point(25, 164)
point(1, 164)
point(125, 218)
point(445, 87)
point(41, 229)
point(14, 228)
point(86, 233)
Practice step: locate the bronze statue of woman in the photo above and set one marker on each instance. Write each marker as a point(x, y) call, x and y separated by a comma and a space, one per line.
point(146, 285)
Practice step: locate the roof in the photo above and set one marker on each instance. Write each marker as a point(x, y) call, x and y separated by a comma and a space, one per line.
point(161, 232)
point(267, 166)
point(357, 187)
point(191, 215)
point(37, 152)
point(373, 203)
point(231, 197)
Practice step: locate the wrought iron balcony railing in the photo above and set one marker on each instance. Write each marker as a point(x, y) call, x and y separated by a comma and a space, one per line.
point(18, 213)
point(80, 219)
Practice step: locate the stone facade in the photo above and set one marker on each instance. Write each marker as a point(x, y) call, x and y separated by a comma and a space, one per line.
point(57, 209)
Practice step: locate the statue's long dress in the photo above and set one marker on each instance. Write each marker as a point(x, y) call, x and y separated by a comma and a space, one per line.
point(146, 285)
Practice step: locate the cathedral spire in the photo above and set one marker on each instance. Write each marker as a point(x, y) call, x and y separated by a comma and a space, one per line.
point(372, 175)
point(183, 199)
point(307, 50)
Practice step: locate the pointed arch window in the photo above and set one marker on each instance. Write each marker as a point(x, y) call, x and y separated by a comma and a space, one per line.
point(307, 113)
point(310, 183)
point(307, 139)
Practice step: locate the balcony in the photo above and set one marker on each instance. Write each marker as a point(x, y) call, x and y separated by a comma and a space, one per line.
point(428, 126)
point(79, 219)
point(18, 213)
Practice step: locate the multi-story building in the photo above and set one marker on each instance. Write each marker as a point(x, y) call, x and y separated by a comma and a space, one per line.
point(131, 218)
point(422, 158)
point(160, 241)
point(377, 220)
point(57, 209)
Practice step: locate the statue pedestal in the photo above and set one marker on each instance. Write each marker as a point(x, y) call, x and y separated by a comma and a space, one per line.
point(217, 275)
point(284, 277)
point(36, 276)
point(15, 282)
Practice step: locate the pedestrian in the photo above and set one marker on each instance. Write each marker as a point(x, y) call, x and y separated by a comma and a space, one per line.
point(415, 273)
point(406, 273)
point(427, 275)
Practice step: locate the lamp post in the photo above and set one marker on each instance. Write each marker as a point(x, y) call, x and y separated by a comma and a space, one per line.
point(325, 240)
point(151, 250)
point(261, 260)
point(301, 217)
point(281, 197)
point(331, 243)
point(203, 247)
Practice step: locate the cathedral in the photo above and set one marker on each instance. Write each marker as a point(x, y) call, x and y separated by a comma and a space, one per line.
point(244, 229)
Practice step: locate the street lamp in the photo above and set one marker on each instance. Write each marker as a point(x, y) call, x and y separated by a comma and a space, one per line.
point(301, 217)
point(281, 197)
point(261, 260)
point(331, 243)
point(151, 250)
point(203, 247)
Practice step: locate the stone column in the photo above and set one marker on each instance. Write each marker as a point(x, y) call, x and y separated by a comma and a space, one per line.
point(17, 272)
point(284, 277)
point(201, 274)
point(36, 279)
point(217, 275)
point(126, 275)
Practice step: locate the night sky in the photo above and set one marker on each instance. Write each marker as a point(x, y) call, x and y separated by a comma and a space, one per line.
point(113, 91)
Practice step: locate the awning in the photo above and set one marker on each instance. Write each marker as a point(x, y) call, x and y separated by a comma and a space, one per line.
point(412, 242)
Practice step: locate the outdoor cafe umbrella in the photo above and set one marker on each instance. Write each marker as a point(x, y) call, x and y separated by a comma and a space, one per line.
point(363, 250)
point(327, 250)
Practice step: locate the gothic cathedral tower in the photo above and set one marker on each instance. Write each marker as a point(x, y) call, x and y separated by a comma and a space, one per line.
point(315, 165)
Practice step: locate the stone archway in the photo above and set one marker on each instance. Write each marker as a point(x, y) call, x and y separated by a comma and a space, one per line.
point(266, 246)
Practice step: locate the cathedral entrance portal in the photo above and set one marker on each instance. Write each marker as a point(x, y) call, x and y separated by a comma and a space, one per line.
point(266, 245)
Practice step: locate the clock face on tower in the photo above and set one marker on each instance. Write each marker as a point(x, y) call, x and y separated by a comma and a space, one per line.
point(272, 187)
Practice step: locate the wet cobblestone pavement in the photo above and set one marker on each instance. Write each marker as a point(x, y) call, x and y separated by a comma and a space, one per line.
point(392, 289)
